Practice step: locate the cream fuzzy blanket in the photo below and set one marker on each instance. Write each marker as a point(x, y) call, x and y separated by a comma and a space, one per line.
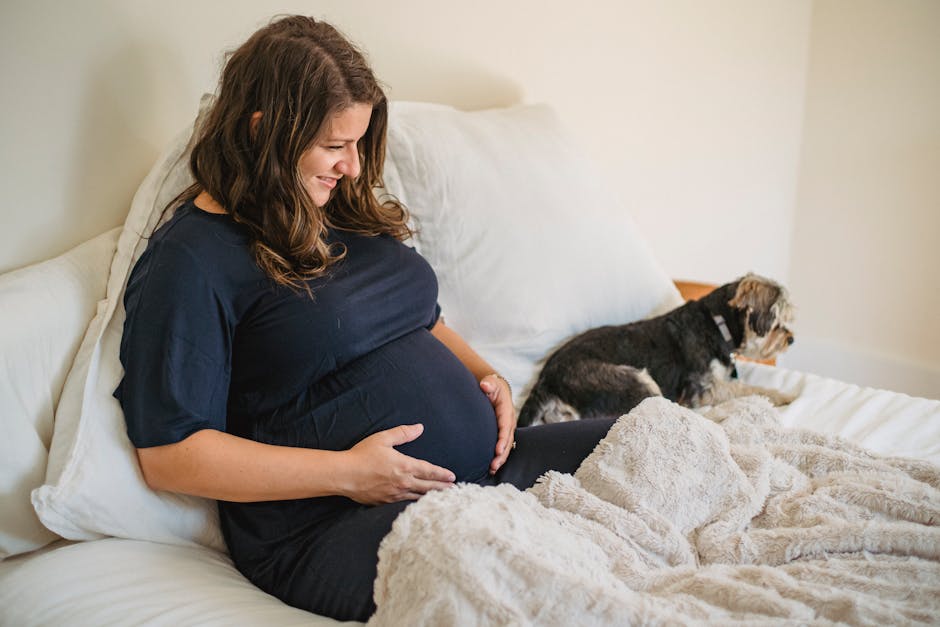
point(678, 517)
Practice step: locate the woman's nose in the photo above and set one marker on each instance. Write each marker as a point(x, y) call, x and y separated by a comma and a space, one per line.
point(349, 165)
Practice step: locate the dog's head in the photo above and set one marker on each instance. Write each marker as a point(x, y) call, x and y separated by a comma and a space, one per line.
point(765, 313)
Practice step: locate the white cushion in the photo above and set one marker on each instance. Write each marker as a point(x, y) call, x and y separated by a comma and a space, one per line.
point(125, 582)
point(93, 486)
point(510, 218)
point(528, 243)
point(46, 309)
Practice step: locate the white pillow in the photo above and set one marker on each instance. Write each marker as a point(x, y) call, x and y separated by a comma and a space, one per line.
point(46, 309)
point(93, 486)
point(528, 243)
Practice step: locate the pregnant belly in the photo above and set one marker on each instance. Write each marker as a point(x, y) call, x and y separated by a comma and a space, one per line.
point(414, 379)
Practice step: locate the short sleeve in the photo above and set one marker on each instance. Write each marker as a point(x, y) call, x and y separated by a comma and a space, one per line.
point(176, 348)
point(435, 317)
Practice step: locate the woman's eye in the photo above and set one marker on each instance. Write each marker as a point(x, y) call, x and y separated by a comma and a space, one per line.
point(334, 147)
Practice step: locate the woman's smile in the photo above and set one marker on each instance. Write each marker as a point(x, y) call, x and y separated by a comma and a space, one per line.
point(328, 181)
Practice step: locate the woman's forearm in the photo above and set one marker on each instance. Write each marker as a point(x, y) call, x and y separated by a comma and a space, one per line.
point(218, 465)
point(459, 347)
point(222, 466)
point(225, 467)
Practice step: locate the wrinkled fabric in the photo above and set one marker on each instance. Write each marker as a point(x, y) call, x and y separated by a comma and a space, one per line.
point(679, 518)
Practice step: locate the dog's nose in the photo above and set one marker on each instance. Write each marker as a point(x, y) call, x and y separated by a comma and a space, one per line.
point(790, 341)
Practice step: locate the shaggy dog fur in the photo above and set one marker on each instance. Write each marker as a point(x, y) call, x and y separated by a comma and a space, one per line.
point(686, 355)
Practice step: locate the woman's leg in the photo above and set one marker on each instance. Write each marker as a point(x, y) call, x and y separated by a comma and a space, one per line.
point(331, 570)
point(561, 446)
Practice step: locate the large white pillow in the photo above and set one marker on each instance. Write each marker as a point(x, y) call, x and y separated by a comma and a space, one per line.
point(46, 309)
point(94, 487)
point(529, 245)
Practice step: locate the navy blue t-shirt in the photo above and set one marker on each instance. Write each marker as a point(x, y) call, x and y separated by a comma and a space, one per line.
point(210, 342)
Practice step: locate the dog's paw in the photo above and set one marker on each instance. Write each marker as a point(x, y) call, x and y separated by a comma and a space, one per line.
point(778, 398)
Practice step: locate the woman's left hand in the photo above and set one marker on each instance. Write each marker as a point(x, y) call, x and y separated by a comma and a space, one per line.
point(497, 391)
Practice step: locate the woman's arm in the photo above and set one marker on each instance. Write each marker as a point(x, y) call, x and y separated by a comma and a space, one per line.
point(495, 387)
point(222, 466)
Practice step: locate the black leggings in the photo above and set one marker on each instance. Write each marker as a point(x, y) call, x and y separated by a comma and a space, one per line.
point(346, 553)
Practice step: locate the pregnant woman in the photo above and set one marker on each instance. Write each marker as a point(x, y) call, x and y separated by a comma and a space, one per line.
point(283, 349)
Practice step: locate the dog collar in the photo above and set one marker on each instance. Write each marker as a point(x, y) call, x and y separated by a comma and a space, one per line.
point(726, 334)
point(723, 327)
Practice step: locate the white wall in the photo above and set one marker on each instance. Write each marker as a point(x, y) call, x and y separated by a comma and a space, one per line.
point(695, 110)
point(865, 266)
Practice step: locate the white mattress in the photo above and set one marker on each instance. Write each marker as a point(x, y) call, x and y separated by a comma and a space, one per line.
point(126, 582)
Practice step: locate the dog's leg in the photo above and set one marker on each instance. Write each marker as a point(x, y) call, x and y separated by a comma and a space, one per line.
point(722, 390)
point(556, 410)
point(644, 378)
point(592, 389)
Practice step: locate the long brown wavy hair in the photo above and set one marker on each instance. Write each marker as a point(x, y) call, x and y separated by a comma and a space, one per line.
point(298, 72)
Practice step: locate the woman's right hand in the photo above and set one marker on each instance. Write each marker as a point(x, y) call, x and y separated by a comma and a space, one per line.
point(377, 473)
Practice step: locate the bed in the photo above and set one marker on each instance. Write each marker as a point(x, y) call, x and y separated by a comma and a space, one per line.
point(85, 542)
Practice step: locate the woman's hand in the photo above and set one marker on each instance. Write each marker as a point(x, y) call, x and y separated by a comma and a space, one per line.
point(377, 473)
point(497, 390)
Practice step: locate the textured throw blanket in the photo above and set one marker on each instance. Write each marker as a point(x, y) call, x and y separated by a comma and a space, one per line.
point(678, 517)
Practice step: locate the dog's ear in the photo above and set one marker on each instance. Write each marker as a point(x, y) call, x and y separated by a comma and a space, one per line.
point(757, 296)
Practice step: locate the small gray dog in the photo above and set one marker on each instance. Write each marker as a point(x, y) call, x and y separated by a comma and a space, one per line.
point(686, 355)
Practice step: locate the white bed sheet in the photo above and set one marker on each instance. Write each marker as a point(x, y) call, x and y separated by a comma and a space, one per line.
point(888, 423)
point(126, 582)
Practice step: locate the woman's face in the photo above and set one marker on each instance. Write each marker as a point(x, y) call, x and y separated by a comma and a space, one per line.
point(336, 154)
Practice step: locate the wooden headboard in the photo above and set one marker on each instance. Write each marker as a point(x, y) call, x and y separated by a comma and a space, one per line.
point(690, 290)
